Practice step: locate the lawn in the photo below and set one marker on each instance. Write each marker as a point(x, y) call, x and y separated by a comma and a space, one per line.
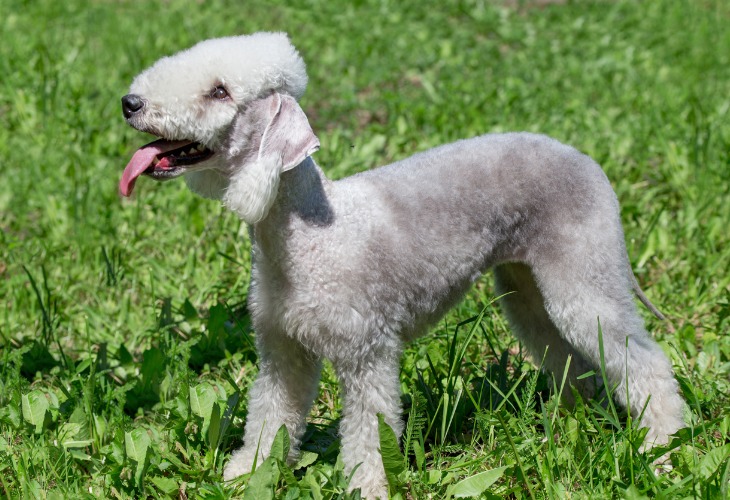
point(125, 347)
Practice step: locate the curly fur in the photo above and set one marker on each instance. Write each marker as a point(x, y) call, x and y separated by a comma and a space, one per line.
point(353, 269)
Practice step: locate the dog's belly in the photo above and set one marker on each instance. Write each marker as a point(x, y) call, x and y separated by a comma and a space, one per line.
point(338, 318)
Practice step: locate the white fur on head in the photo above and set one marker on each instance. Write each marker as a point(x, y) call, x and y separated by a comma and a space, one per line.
point(256, 130)
point(287, 139)
point(248, 66)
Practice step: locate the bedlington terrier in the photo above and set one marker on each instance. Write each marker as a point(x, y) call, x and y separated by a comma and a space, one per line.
point(352, 270)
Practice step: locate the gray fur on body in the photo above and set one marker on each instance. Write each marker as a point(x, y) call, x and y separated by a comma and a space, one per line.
point(396, 247)
point(351, 270)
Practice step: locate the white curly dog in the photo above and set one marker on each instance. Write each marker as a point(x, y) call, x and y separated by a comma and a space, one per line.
point(352, 270)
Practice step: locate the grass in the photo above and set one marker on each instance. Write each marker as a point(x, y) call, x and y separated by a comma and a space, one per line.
point(125, 348)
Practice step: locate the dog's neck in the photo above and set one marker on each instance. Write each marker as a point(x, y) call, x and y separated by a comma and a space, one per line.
point(303, 198)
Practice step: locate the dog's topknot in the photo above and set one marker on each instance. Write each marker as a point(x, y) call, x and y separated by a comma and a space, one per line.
point(249, 66)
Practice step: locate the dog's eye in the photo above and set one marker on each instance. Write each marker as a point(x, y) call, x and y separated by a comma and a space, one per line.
point(219, 93)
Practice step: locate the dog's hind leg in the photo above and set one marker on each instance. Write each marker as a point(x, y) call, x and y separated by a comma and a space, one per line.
point(587, 284)
point(282, 394)
point(524, 306)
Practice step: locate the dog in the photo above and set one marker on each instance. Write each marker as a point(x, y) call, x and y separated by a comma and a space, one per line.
point(352, 270)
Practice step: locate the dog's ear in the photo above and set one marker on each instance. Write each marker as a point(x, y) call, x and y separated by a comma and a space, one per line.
point(287, 139)
point(288, 133)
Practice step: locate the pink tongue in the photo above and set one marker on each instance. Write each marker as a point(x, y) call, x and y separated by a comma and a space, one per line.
point(141, 161)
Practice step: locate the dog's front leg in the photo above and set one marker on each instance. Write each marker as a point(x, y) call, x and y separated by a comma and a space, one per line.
point(370, 386)
point(282, 394)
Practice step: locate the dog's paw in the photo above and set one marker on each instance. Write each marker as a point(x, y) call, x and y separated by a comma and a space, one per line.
point(241, 463)
point(372, 492)
point(371, 481)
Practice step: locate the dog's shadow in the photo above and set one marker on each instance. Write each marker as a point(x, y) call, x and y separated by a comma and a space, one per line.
point(324, 440)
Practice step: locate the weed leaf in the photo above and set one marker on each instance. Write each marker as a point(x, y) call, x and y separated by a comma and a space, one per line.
point(390, 451)
point(306, 459)
point(202, 399)
point(231, 406)
point(477, 484)
point(35, 406)
point(288, 476)
point(136, 444)
point(261, 484)
point(214, 428)
point(280, 446)
point(77, 444)
point(712, 461)
point(166, 484)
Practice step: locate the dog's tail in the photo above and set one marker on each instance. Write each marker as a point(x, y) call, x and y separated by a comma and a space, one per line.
point(644, 300)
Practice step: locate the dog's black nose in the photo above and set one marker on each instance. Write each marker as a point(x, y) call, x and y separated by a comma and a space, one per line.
point(131, 103)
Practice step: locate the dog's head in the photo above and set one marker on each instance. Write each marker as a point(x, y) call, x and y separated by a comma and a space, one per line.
point(227, 116)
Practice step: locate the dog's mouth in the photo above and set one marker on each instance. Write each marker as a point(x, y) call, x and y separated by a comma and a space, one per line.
point(162, 160)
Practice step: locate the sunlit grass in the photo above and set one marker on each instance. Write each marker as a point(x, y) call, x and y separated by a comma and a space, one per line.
point(124, 340)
